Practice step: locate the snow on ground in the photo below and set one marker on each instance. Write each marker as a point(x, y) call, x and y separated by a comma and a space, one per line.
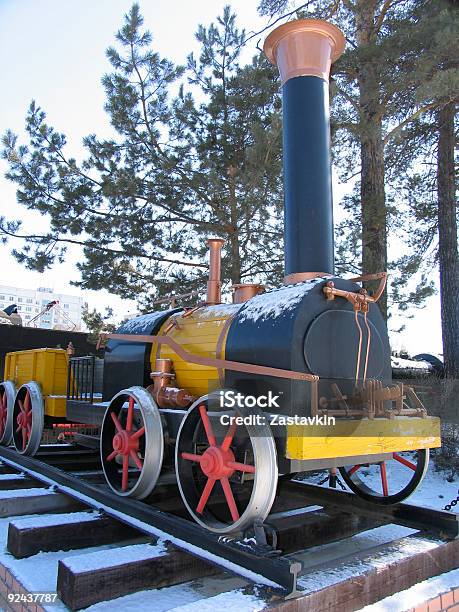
point(410, 364)
point(235, 601)
point(11, 476)
point(417, 594)
point(189, 597)
point(90, 561)
point(47, 520)
point(435, 491)
point(37, 492)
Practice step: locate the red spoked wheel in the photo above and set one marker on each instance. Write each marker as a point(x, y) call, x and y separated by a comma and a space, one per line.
point(131, 443)
point(390, 481)
point(227, 473)
point(28, 418)
point(7, 395)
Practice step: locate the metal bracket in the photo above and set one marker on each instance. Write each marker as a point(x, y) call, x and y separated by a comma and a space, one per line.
point(261, 530)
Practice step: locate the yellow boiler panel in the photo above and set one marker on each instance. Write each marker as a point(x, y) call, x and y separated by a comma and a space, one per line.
point(202, 332)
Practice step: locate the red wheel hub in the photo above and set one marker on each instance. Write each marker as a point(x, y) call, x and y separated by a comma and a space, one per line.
point(214, 462)
point(126, 443)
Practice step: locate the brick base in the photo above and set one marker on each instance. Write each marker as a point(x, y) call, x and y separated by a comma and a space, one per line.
point(446, 601)
point(9, 584)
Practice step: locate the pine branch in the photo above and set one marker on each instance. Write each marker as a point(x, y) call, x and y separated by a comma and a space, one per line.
point(421, 111)
point(39, 239)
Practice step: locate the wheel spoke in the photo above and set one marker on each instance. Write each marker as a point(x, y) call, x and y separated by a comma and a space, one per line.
point(124, 480)
point(116, 421)
point(205, 495)
point(191, 457)
point(230, 498)
point(354, 469)
point(130, 414)
point(404, 461)
point(21, 406)
point(19, 428)
point(27, 402)
point(24, 438)
point(136, 459)
point(229, 437)
point(207, 425)
point(111, 456)
point(241, 467)
point(138, 434)
point(385, 488)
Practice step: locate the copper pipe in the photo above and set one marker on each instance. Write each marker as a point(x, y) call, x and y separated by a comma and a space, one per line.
point(214, 284)
point(365, 318)
point(226, 364)
point(359, 352)
point(165, 396)
point(161, 377)
point(381, 276)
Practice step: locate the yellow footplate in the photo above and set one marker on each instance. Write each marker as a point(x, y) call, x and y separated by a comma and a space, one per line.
point(362, 437)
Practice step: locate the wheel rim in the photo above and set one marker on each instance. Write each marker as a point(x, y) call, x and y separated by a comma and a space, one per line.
point(390, 481)
point(131, 443)
point(28, 419)
point(7, 395)
point(209, 465)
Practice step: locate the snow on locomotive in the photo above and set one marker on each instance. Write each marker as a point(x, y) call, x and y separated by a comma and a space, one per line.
point(227, 397)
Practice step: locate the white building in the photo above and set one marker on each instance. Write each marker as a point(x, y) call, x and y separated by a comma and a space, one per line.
point(31, 302)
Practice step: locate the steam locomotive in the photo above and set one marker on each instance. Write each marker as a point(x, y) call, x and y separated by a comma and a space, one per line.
point(226, 398)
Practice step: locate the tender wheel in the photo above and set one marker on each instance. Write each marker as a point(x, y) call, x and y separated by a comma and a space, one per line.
point(28, 418)
point(227, 476)
point(388, 482)
point(131, 443)
point(7, 395)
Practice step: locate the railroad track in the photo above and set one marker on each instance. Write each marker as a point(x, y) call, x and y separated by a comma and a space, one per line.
point(279, 558)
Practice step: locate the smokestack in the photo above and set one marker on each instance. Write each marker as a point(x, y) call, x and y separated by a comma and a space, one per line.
point(304, 50)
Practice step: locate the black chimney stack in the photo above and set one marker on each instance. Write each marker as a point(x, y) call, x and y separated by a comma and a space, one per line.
point(304, 50)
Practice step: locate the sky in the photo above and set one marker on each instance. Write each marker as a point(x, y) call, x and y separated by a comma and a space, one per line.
point(53, 51)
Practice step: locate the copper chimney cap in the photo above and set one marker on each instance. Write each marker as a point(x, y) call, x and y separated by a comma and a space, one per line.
point(243, 292)
point(304, 47)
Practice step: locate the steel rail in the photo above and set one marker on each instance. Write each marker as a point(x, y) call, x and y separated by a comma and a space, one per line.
point(251, 561)
point(417, 517)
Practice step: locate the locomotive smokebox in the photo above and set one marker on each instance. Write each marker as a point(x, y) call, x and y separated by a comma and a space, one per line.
point(304, 50)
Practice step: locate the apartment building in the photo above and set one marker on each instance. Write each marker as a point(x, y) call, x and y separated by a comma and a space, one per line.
point(31, 302)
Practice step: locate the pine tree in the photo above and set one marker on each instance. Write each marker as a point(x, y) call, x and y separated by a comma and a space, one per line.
point(447, 233)
point(422, 156)
point(177, 170)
